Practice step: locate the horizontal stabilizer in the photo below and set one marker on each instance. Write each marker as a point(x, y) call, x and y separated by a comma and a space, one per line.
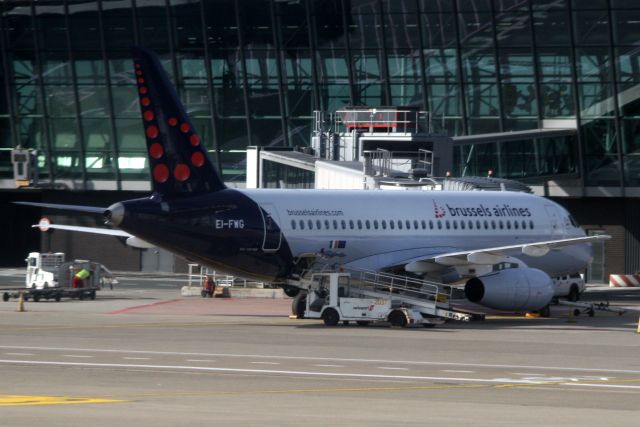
point(76, 208)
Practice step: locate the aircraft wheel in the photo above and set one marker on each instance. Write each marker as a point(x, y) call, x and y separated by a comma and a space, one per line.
point(92, 295)
point(545, 311)
point(36, 297)
point(574, 294)
point(58, 298)
point(291, 291)
point(330, 317)
point(397, 319)
point(362, 322)
point(5, 297)
point(299, 304)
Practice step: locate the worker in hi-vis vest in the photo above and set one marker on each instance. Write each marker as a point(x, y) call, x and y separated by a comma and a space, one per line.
point(80, 277)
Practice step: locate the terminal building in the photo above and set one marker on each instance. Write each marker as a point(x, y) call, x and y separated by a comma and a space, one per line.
point(378, 94)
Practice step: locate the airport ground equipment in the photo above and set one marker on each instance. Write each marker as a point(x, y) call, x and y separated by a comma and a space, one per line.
point(590, 308)
point(367, 296)
point(49, 276)
point(569, 286)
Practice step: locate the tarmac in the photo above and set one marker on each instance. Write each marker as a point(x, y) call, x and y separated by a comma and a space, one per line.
point(141, 354)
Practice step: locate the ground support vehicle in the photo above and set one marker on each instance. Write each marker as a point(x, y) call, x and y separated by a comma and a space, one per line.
point(56, 293)
point(365, 297)
point(570, 286)
point(50, 277)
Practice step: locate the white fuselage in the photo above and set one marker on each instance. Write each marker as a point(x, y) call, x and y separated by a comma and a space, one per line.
point(378, 229)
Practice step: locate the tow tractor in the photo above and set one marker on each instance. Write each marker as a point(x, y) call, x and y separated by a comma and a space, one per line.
point(49, 276)
point(366, 297)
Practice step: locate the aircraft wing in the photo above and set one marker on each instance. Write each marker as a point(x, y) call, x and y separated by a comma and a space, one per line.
point(490, 256)
point(95, 230)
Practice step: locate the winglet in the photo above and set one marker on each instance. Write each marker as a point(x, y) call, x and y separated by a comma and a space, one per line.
point(177, 158)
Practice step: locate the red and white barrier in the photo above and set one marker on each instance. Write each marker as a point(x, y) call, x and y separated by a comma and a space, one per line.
point(624, 280)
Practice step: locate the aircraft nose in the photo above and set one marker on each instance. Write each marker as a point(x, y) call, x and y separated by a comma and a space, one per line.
point(114, 214)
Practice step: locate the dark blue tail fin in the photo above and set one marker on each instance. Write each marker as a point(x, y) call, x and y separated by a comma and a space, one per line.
point(177, 157)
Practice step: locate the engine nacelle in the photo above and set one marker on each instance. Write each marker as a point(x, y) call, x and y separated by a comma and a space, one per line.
point(515, 289)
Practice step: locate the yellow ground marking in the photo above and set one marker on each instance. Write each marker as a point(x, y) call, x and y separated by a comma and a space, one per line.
point(26, 400)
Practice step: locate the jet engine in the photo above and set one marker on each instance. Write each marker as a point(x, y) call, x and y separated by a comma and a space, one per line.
point(515, 289)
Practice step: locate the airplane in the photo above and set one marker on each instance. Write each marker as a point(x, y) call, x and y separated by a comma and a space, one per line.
point(505, 246)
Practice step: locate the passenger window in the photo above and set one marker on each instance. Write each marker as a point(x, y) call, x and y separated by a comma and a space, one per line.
point(430, 225)
point(367, 224)
point(462, 225)
point(301, 225)
point(486, 224)
point(384, 224)
point(515, 224)
point(293, 224)
point(524, 224)
point(439, 225)
point(375, 224)
point(344, 224)
point(455, 225)
point(407, 223)
point(392, 224)
point(508, 225)
point(326, 224)
point(531, 225)
point(470, 225)
point(310, 224)
point(359, 225)
point(318, 224)
point(424, 224)
point(351, 224)
point(500, 224)
point(478, 224)
point(399, 225)
point(415, 224)
point(335, 224)
point(448, 224)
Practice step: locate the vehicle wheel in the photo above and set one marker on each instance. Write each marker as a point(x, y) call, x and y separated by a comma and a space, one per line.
point(574, 294)
point(330, 317)
point(36, 298)
point(545, 311)
point(299, 305)
point(46, 285)
point(5, 297)
point(58, 298)
point(92, 295)
point(428, 325)
point(203, 293)
point(81, 296)
point(290, 291)
point(397, 319)
point(362, 322)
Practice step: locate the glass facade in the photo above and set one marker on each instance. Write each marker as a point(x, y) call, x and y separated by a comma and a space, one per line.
point(252, 72)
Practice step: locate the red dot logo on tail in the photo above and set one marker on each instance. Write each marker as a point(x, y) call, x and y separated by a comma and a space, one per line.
point(161, 173)
point(181, 172)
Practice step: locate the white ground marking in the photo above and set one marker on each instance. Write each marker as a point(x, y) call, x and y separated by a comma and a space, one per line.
point(332, 359)
point(136, 358)
point(635, 387)
point(20, 354)
point(527, 373)
point(200, 360)
point(79, 356)
point(330, 366)
point(264, 371)
point(392, 368)
point(265, 363)
point(457, 371)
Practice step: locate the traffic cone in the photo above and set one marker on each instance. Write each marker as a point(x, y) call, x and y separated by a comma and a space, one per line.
point(21, 303)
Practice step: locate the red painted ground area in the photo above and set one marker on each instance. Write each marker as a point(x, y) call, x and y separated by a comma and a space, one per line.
point(215, 307)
